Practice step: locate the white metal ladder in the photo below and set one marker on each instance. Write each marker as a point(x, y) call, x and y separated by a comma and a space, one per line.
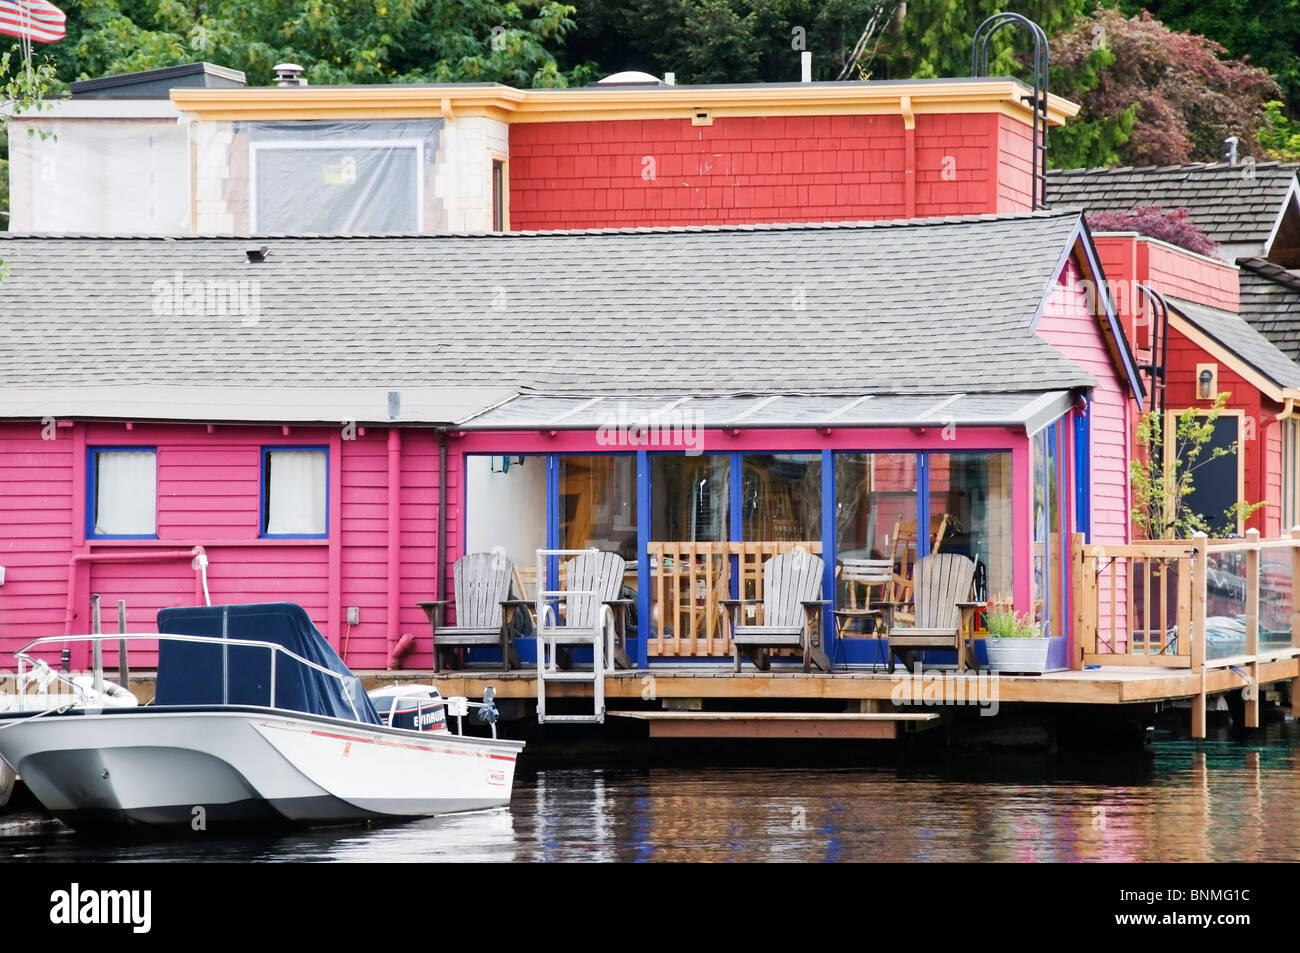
point(600, 637)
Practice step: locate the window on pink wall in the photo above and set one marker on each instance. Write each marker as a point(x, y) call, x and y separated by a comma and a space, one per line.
point(295, 492)
point(122, 493)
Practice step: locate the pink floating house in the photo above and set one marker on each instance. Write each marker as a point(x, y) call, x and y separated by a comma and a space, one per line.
point(334, 420)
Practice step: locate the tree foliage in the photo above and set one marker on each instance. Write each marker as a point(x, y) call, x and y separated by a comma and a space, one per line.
point(934, 36)
point(1174, 226)
point(1267, 32)
point(1160, 493)
point(336, 41)
point(1151, 96)
point(742, 41)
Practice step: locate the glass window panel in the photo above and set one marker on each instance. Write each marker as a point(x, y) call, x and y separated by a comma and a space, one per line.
point(598, 503)
point(505, 506)
point(781, 496)
point(691, 498)
point(126, 492)
point(295, 493)
point(970, 498)
point(1049, 539)
point(873, 493)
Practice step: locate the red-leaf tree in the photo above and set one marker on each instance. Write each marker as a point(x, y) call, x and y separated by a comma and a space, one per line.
point(1174, 226)
point(1151, 96)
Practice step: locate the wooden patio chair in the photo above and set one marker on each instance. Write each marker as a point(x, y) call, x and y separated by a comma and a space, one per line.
point(868, 590)
point(484, 610)
point(902, 555)
point(592, 609)
point(792, 604)
point(942, 590)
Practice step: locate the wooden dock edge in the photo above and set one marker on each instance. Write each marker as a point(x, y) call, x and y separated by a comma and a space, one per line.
point(753, 725)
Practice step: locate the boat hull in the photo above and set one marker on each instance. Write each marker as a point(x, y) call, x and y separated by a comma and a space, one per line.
point(204, 769)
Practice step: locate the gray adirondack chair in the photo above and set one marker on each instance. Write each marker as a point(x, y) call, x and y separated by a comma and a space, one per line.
point(593, 582)
point(941, 586)
point(792, 604)
point(484, 610)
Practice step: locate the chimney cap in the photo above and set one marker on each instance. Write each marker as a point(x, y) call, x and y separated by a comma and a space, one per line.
point(289, 74)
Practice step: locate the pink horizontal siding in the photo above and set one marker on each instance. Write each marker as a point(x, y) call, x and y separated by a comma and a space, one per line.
point(209, 495)
point(35, 532)
point(1068, 324)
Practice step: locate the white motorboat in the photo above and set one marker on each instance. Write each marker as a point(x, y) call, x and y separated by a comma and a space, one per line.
point(256, 719)
point(43, 688)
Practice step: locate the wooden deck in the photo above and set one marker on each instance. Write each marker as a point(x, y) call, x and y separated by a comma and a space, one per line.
point(1109, 685)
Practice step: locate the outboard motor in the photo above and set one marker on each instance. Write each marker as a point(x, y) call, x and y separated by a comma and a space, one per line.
point(487, 713)
point(413, 707)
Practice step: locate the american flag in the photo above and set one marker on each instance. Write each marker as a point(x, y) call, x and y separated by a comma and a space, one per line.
point(37, 20)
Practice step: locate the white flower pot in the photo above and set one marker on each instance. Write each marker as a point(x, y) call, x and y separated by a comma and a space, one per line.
point(1019, 655)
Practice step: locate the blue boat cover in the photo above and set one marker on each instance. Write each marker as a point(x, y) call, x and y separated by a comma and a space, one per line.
point(190, 673)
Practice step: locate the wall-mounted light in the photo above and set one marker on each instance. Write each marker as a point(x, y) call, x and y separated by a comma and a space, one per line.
point(1207, 381)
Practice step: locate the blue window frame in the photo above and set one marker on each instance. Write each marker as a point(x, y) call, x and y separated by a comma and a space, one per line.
point(122, 492)
point(294, 494)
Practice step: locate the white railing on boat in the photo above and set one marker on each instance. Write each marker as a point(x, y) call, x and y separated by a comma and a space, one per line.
point(24, 658)
point(457, 706)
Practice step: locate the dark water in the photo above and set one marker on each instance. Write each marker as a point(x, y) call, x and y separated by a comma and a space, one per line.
point(1186, 801)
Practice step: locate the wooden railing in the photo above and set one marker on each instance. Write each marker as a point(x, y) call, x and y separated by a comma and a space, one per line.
point(1158, 603)
point(688, 580)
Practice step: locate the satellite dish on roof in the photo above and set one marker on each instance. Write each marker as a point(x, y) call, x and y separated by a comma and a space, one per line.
point(630, 78)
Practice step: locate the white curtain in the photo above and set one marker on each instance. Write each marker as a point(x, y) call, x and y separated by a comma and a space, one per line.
point(126, 493)
point(296, 501)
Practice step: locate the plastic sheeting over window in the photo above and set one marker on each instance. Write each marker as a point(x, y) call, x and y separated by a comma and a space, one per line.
point(340, 177)
point(112, 176)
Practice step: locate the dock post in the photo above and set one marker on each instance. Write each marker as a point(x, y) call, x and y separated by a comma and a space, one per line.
point(97, 647)
point(123, 664)
point(1252, 628)
point(1200, 578)
point(1084, 585)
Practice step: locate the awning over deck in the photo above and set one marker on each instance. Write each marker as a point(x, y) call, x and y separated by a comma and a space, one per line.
point(1031, 411)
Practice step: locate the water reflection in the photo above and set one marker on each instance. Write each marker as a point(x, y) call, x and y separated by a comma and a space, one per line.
point(1214, 801)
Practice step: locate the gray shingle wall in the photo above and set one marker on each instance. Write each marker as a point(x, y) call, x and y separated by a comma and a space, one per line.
point(1270, 301)
point(920, 307)
point(1230, 203)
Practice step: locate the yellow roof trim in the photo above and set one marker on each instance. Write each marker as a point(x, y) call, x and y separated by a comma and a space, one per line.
point(1002, 96)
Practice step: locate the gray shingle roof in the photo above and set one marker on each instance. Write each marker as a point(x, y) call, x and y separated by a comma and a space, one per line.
point(1270, 301)
point(1235, 334)
point(1230, 203)
point(927, 306)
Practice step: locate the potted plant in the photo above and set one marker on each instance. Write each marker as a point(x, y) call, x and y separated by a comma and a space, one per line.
point(1015, 643)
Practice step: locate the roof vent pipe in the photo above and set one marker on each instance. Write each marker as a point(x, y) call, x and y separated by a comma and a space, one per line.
point(670, 79)
point(1229, 154)
point(805, 66)
point(289, 74)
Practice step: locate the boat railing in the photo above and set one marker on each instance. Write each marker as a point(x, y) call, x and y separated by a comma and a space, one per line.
point(25, 658)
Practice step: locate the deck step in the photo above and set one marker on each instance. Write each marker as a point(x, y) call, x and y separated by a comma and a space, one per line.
point(597, 719)
point(567, 676)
